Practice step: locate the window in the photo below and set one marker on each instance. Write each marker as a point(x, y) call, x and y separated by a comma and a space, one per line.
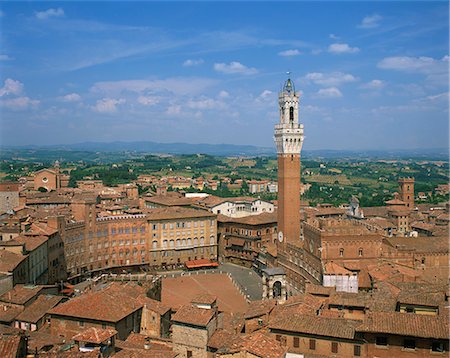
point(296, 342)
point(409, 344)
point(341, 252)
point(189, 354)
point(334, 347)
point(357, 350)
point(154, 244)
point(291, 114)
point(278, 337)
point(437, 347)
point(81, 323)
point(360, 251)
point(312, 344)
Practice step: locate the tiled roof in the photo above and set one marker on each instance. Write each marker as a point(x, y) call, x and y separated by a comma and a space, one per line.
point(38, 340)
point(204, 298)
point(110, 304)
point(177, 212)
point(9, 346)
point(222, 339)
point(9, 260)
point(259, 308)
point(155, 306)
point(432, 244)
point(332, 268)
point(168, 200)
point(20, 294)
point(406, 324)
point(193, 315)
point(31, 242)
point(317, 325)
point(260, 344)
point(34, 312)
point(95, 335)
point(260, 219)
point(9, 312)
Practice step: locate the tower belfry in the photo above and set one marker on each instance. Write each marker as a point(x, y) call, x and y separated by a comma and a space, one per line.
point(289, 141)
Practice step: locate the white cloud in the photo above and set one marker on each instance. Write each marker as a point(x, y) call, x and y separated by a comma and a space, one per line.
point(265, 94)
point(107, 105)
point(205, 103)
point(11, 87)
point(72, 97)
point(175, 85)
point(289, 53)
point(224, 94)
point(148, 100)
point(6, 58)
point(43, 15)
point(173, 109)
point(414, 64)
point(445, 96)
point(339, 48)
point(329, 79)
point(331, 92)
point(374, 84)
point(19, 103)
point(333, 37)
point(234, 67)
point(190, 63)
point(370, 22)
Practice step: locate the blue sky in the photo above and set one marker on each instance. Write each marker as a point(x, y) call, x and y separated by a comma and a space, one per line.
point(372, 75)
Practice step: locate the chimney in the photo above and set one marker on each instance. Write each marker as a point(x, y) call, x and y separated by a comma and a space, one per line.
point(147, 344)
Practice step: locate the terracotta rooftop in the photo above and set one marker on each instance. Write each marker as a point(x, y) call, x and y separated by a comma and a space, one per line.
point(260, 344)
point(20, 294)
point(154, 305)
point(95, 335)
point(332, 268)
point(169, 200)
point(177, 212)
point(38, 340)
point(406, 324)
point(9, 346)
point(259, 308)
point(222, 339)
point(260, 219)
point(31, 242)
point(9, 260)
point(317, 325)
point(34, 312)
point(9, 312)
point(110, 304)
point(193, 315)
point(421, 244)
point(134, 347)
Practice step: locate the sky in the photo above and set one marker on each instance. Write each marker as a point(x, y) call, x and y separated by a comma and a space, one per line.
point(372, 75)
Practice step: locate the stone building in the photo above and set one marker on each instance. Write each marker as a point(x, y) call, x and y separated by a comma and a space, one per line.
point(9, 196)
point(241, 239)
point(406, 191)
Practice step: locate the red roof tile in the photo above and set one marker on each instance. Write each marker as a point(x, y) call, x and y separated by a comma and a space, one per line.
point(95, 335)
point(34, 312)
point(193, 315)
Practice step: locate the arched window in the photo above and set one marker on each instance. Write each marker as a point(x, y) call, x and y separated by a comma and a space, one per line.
point(165, 244)
point(135, 252)
point(189, 242)
point(341, 252)
point(202, 241)
point(195, 242)
point(291, 114)
point(211, 240)
point(178, 242)
point(360, 251)
point(154, 244)
point(171, 243)
point(183, 242)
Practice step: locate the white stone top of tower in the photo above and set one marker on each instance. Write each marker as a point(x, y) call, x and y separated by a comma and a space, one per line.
point(289, 131)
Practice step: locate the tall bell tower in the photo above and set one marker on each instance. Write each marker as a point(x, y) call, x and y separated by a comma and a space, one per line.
point(289, 141)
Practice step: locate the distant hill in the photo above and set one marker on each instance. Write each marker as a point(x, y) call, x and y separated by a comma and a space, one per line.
point(130, 149)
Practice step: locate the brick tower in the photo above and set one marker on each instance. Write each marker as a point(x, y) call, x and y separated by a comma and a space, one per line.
point(289, 141)
point(406, 191)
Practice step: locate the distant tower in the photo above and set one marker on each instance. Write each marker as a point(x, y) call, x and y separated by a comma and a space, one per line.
point(289, 140)
point(406, 191)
